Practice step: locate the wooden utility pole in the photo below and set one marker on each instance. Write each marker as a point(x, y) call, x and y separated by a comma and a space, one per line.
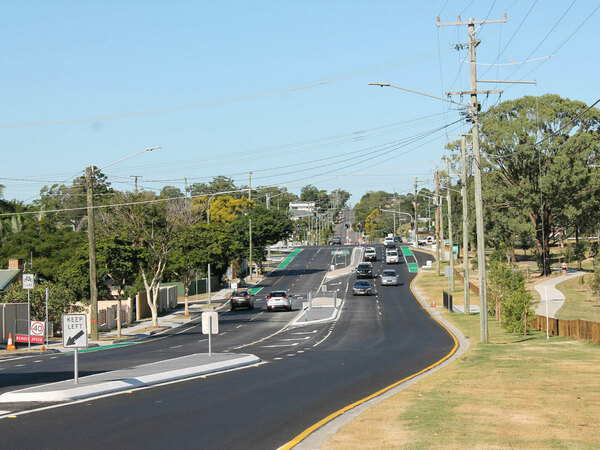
point(92, 253)
point(416, 225)
point(474, 107)
point(463, 148)
point(437, 219)
point(249, 185)
point(448, 200)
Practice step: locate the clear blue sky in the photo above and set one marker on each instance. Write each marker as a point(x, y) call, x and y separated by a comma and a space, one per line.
point(230, 87)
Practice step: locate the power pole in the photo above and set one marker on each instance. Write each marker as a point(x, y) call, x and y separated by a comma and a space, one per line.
point(135, 177)
point(416, 225)
point(448, 200)
point(268, 200)
point(249, 185)
point(463, 149)
point(474, 111)
point(437, 219)
point(250, 244)
point(92, 252)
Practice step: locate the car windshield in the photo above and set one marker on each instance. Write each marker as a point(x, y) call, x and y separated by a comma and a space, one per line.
point(364, 266)
point(389, 273)
point(392, 253)
point(278, 294)
point(362, 283)
point(240, 293)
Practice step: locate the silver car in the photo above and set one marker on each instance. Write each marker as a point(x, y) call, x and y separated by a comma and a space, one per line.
point(389, 278)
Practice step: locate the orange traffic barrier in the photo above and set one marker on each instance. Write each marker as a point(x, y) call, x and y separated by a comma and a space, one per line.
point(10, 345)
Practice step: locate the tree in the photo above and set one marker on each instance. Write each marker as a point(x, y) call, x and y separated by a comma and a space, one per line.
point(268, 227)
point(540, 180)
point(194, 247)
point(119, 261)
point(73, 199)
point(217, 184)
point(150, 227)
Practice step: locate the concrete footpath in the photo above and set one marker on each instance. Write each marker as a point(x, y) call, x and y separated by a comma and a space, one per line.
point(551, 298)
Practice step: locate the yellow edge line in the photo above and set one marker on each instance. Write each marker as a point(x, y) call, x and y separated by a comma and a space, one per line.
point(338, 413)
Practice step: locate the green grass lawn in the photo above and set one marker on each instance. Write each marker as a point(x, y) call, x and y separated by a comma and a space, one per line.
point(579, 303)
point(513, 392)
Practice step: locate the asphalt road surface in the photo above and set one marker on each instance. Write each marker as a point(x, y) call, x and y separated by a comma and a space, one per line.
point(309, 372)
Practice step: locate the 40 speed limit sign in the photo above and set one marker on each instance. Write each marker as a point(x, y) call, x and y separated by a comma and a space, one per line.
point(37, 332)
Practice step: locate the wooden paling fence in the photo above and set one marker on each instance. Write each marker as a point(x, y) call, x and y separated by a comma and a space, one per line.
point(472, 287)
point(585, 330)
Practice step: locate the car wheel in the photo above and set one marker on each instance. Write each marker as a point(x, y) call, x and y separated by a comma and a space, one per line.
point(232, 308)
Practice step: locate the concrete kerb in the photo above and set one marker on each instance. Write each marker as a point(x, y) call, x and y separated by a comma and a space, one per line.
point(184, 367)
point(327, 431)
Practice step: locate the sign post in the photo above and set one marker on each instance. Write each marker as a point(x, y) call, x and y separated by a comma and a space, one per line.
point(28, 284)
point(210, 325)
point(74, 331)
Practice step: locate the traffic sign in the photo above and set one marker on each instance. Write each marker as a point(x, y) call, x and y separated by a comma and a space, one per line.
point(37, 332)
point(74, 331)
point(210, 322)
point(340, 252)
point(28, 282)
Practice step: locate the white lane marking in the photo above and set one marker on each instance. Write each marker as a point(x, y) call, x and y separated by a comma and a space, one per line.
point(187, 329)
point(176, 346)
point(291, 354)
point(3, 412)
point(37, 360)
point(296, 339)
point(306, 332)
point(300, 351)
point(277, 359)
point(262, 313)
point(330, 331)
point(224, 332)
point(238, 326)
point(20, 365)
point(281, 345)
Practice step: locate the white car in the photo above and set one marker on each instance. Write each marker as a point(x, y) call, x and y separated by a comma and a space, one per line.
point(389, 242)
point(370, 254)
point(278, 300)
point(392, 257)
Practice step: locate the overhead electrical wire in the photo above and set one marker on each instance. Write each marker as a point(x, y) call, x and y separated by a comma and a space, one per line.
point(306, 85)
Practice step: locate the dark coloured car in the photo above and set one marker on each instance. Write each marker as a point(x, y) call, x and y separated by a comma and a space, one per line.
point(241, 298)
point(364, 270)
point(336, 240)
point(362, 287)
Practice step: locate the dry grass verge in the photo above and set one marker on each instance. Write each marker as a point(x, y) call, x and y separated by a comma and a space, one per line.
point(514, 392)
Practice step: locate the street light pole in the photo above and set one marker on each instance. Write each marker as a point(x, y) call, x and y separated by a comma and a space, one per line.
point(89, 181)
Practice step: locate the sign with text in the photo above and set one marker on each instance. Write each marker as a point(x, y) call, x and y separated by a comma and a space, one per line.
point(74, 331)
point(28, 282)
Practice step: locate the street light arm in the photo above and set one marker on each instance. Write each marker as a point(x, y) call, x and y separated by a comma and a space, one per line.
point(149, 149)
point(417, 92)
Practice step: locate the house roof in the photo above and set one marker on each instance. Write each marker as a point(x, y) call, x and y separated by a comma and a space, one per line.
point(7, 276)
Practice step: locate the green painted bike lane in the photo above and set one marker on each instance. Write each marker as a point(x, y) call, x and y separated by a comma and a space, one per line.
point(282, 265)
point(412, 266)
